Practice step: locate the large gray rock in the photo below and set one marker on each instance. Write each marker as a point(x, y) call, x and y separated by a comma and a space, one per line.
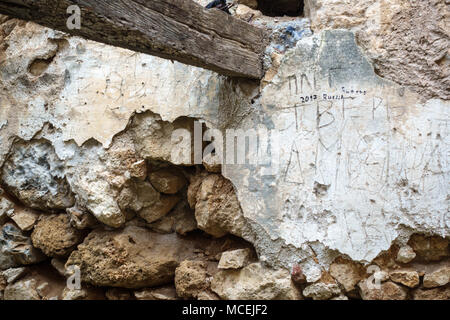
point(254, 282)
point(7, 261)
point(161, 293)
point(321, 291)
point(34, 174)
point(131, 258)
point(55, 236)
point(142, 198)
point(217, 209)
point(409, 278)
point(16, 248)
point(442, 293)
point(181, 220)
point(235, 259)
point(25, 218)
point(387, 291)
point(168, 180)
point(191, 279)
point(6, 209)
point(347, 273)
point(13, 274)
point(405, 254)
point(22, 290)
point(437, 278)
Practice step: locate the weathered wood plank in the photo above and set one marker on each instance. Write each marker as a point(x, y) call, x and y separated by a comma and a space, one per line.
point(179, 30)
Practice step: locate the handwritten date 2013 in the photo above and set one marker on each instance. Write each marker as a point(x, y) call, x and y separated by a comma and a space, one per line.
point(305, 99)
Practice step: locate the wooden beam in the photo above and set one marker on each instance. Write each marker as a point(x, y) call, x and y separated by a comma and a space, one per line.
point(179, 30)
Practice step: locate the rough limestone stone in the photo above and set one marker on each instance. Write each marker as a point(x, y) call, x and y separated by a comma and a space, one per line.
point(159, 209)
point(254, 282)
point(381, 275)
point(191, 279)
point(13, 274)
point(22, 290)
point(3, 282)
point(387, 291)
point(314, 274)
point(409, 278)
point(429, 248)
point(346, 273)
point(34, 174)
point(321, 291)
point(7, 261)
point(181, 220)
point(73, 294)
point(141, 197)
point(168, 181)
point(59, 265)
point(86, 292)
point(16, 248)
point(184, 219)
point(155, 139)
point(235, 259)
point(137, 196)
point(217, 209)
point(95, 185)
point(81, 218)
point(194, 186)
point(24, 218)
point(161, 293)
point(212, 163)
point(442, 293)
point(405, 254)
point(437, 278)
point(138, 170)
point(131, 258)
point(6, 207)
point(47, 283)
point(98, 176)
point(43, 289)
point(55, 236)
point(407, 46)
point(164, 225)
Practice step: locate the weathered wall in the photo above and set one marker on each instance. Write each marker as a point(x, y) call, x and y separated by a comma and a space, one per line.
point(362, 115)
point(361, 158)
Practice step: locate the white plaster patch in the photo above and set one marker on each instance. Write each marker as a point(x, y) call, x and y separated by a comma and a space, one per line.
point(361, 159)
